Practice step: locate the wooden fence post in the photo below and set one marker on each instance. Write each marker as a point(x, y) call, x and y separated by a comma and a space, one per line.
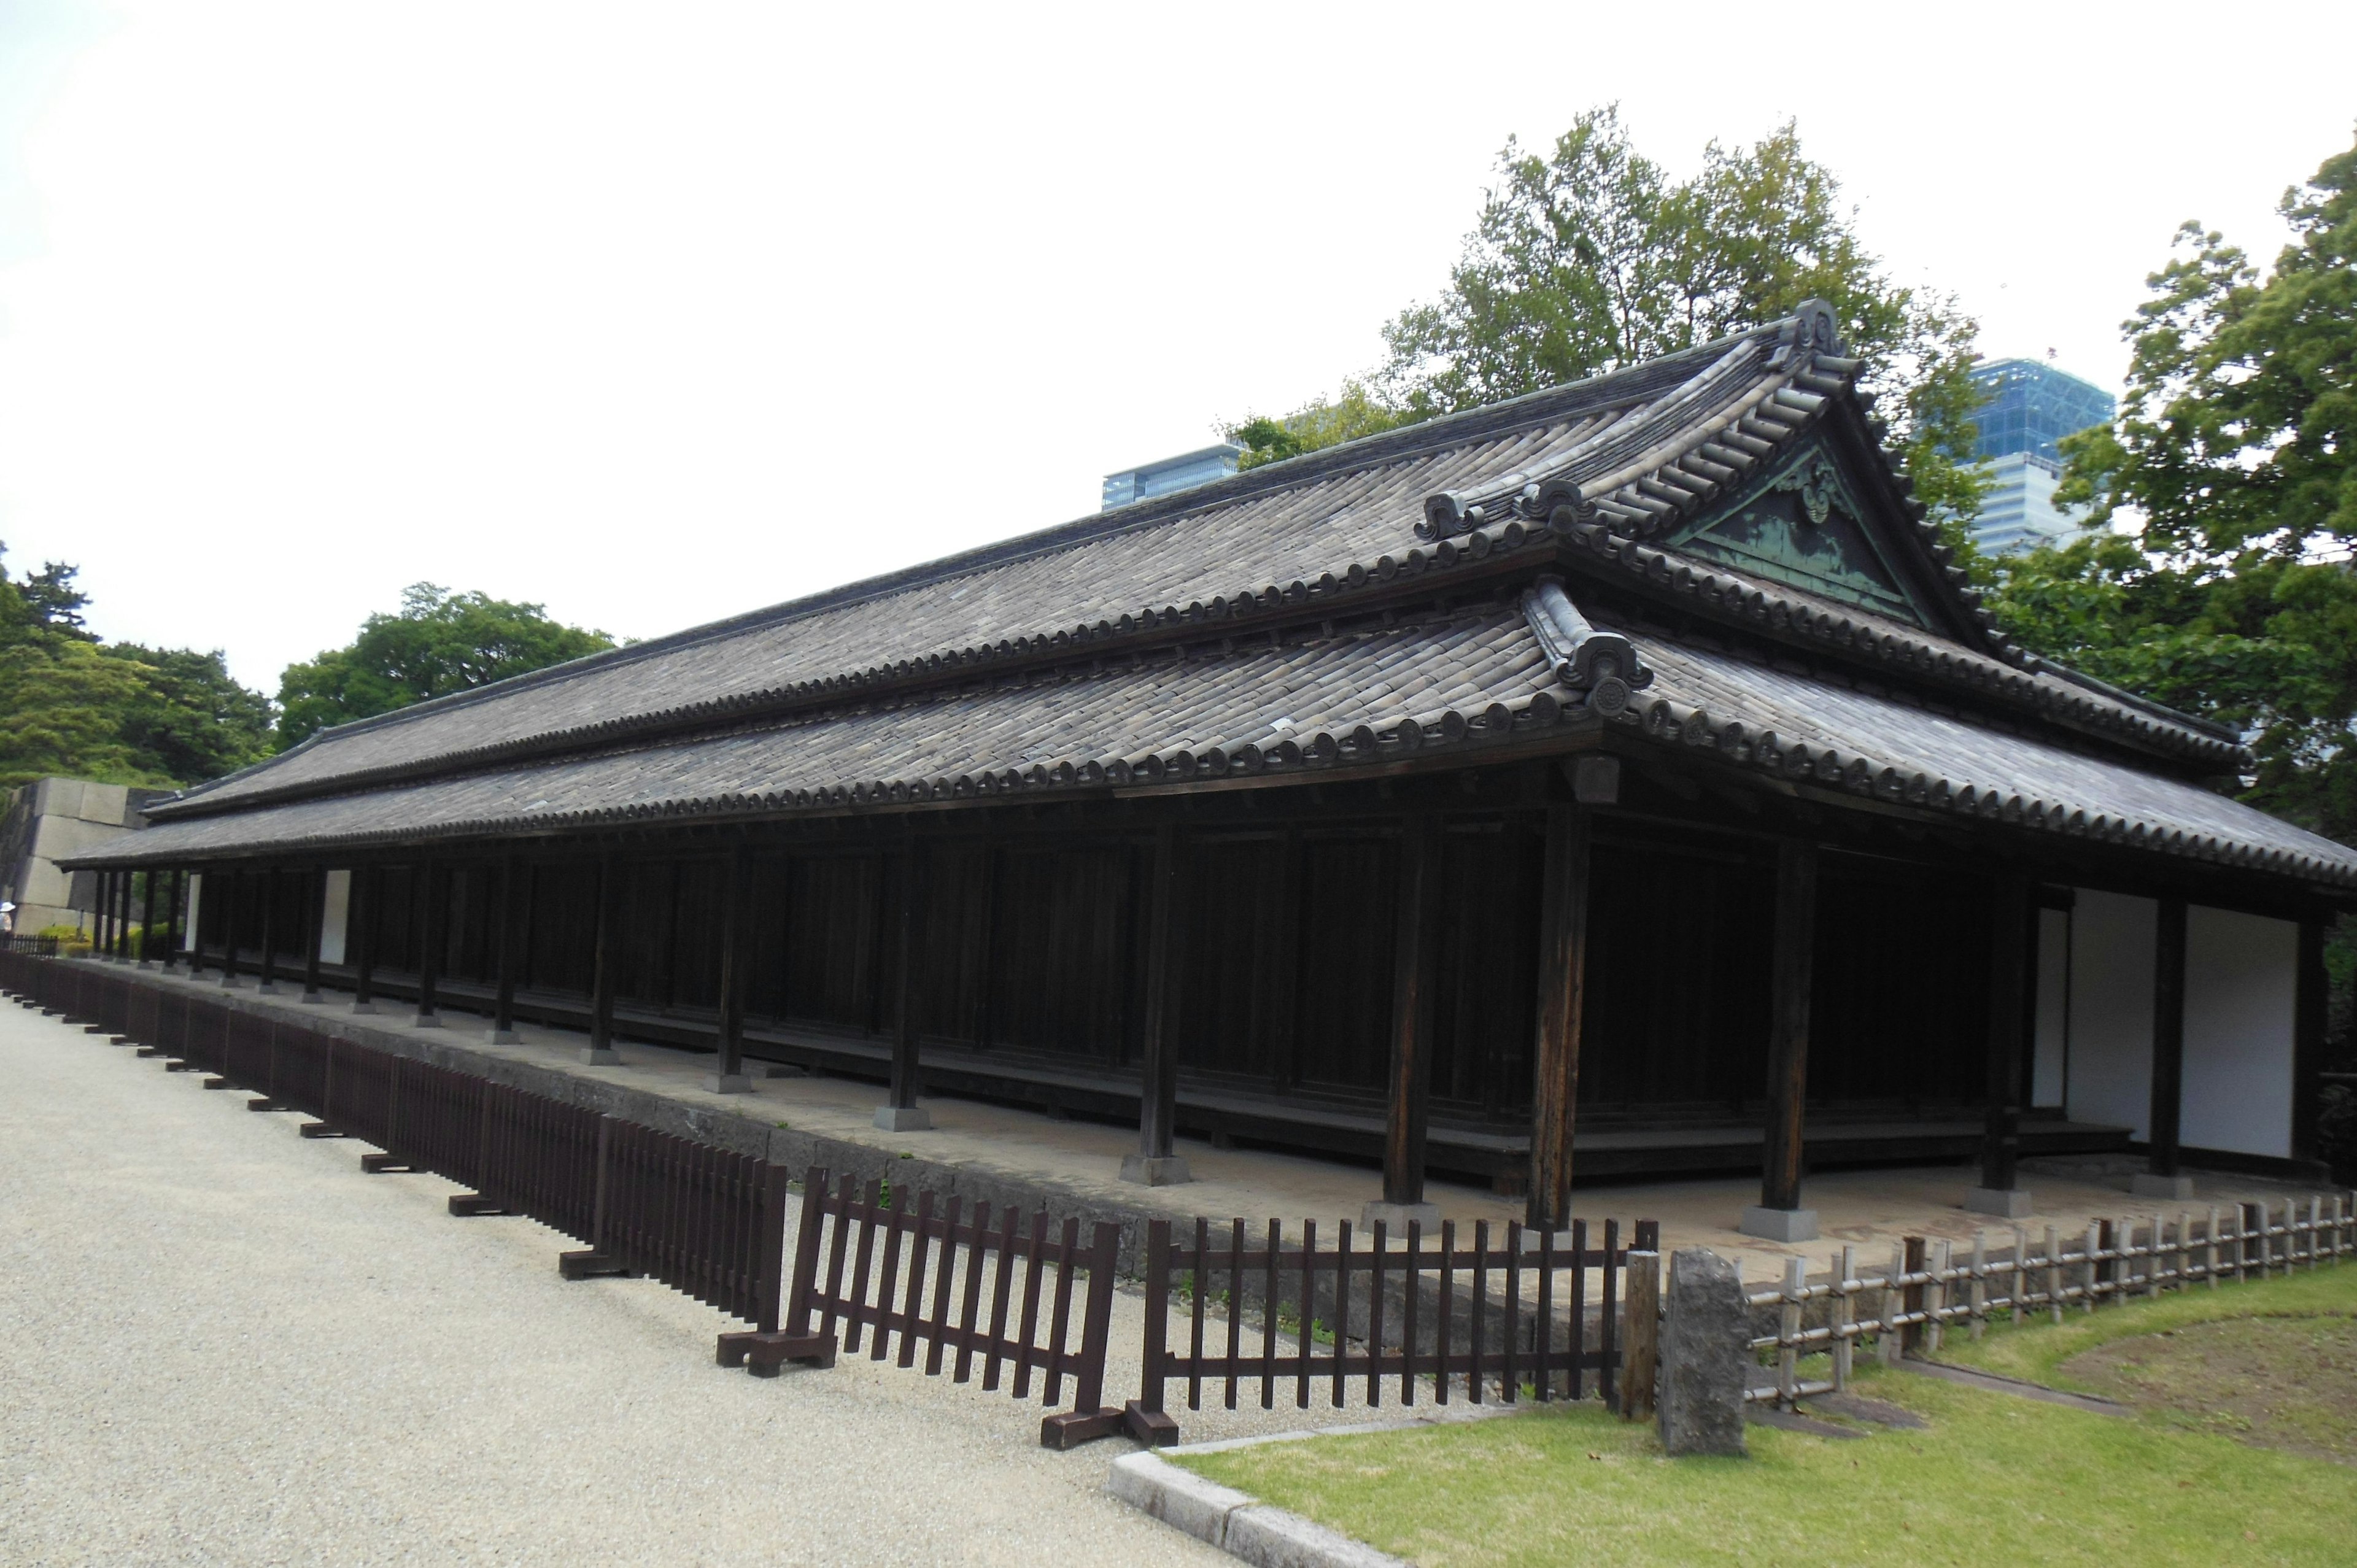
point(1911, 1338)
point(1088, 1419)
point(1144, 1416)
point(1642, 1336)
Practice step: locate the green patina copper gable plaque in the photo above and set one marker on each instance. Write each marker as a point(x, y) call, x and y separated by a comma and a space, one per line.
point(1803, 526)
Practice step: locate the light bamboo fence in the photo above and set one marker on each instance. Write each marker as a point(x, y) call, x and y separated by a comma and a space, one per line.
point(1927, 1290)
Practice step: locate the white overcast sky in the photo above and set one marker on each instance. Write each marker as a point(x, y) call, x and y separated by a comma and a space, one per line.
point(662, 312)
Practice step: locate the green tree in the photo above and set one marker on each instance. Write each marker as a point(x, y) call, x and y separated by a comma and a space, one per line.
point(1594, 257)
point(2214, 572)
point(440, 642)
point(61, 702)
point(192, 721)
point(1354, 412)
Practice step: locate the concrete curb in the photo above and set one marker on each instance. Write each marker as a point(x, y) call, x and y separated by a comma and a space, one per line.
point(1236, 1523)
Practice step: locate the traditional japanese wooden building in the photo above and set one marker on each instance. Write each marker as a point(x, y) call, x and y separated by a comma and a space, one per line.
point(1629, 758)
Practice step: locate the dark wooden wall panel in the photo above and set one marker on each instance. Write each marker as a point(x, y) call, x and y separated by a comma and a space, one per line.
point(562, 929)
point(1898, 1013)
point(952, 941)
point(1057, 977)
point(836, 900)
point(1678, 979)
point(1224, 1024)
point(1485, 1007)
point(1350, 894)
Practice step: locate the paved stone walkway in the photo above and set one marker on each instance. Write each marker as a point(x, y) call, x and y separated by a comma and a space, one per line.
point(221, 1342)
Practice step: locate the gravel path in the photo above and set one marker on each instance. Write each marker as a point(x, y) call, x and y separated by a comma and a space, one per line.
point(220, 1343)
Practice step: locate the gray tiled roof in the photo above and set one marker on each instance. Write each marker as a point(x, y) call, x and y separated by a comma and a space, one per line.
point(1188, 636)
point(1315, 529)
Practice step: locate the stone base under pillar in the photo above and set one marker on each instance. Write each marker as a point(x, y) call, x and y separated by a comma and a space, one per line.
point(426, 1021)
point(1779, 1224)
point(1155, 1170)
point(2005, 1202)
point(726, 1083)
point(2145, 1184)
point(1395, 1217)
point(503, 1037)
point(363, 1007)
point(903, 1119)
point(593, 1056)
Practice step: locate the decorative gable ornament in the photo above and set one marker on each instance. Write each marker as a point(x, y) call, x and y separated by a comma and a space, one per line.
point(1801, 525)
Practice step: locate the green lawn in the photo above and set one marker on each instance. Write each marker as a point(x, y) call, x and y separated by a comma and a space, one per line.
point(1993, 1478)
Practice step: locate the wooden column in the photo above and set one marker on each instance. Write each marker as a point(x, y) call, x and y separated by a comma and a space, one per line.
point(315, 930)
point(148, 921)
point(903, 1114)
point(267, 881)
point(110, 903)
point(127, 900)
point(2312, 998)
point(101, 912)
point(2163, 1117)
point(1562, 996)
point(2012, 929)
point(433, 918)
point(735, 881)
point(1166, 934)
point(504, 944)
point(600, 1052)
point(232, 912)
point(360, 928)
point(1792, 968)
point(1415, 971)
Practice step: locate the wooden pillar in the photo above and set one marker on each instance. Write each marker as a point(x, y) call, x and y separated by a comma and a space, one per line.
point(1415, 972)
point(903, 1114)
point(2312, 997)
point(1562, 997)
point(734, 882)
point(361, 926)
point(600, 1052)
point(1793, 967)
point(505, 940)
point(2163, 1117)
point(433, 919)
point(2012, 930)
point(148, 920)
point(101, 912)
point(1166, 934)
point(315, 930)
point(110, 899)
point(267, 881)
point(233, 916)
point(127, 899)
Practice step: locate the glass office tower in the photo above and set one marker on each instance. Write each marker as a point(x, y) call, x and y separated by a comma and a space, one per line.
point(2029, 406)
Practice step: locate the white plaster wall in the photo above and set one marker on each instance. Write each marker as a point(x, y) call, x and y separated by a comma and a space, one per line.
point(195, 891)
point(2110, 1010)
point(331, 917)
point(2240, 975)
point(2050, 1049)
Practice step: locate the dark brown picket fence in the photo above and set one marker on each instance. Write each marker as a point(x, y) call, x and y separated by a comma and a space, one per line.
point(703, 1220)
point(1381, 1318)
point(920, 1269)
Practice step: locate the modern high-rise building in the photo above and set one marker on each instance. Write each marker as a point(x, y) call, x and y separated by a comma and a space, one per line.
point(2027, 407)
point(1180, 473)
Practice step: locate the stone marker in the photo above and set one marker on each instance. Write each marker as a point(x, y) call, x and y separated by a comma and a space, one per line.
point(1706, 1355)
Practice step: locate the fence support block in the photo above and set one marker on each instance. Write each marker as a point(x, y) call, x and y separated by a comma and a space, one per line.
point(1153, 1428)
point(267, 1105)
point(471, 1205)
point(319, 1130)
point(589, 1264)
point(1071, 1428)
point(379, 1165)
point(765, 1354)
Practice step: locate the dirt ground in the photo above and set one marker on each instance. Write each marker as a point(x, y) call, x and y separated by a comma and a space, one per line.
point(2279, 1382)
